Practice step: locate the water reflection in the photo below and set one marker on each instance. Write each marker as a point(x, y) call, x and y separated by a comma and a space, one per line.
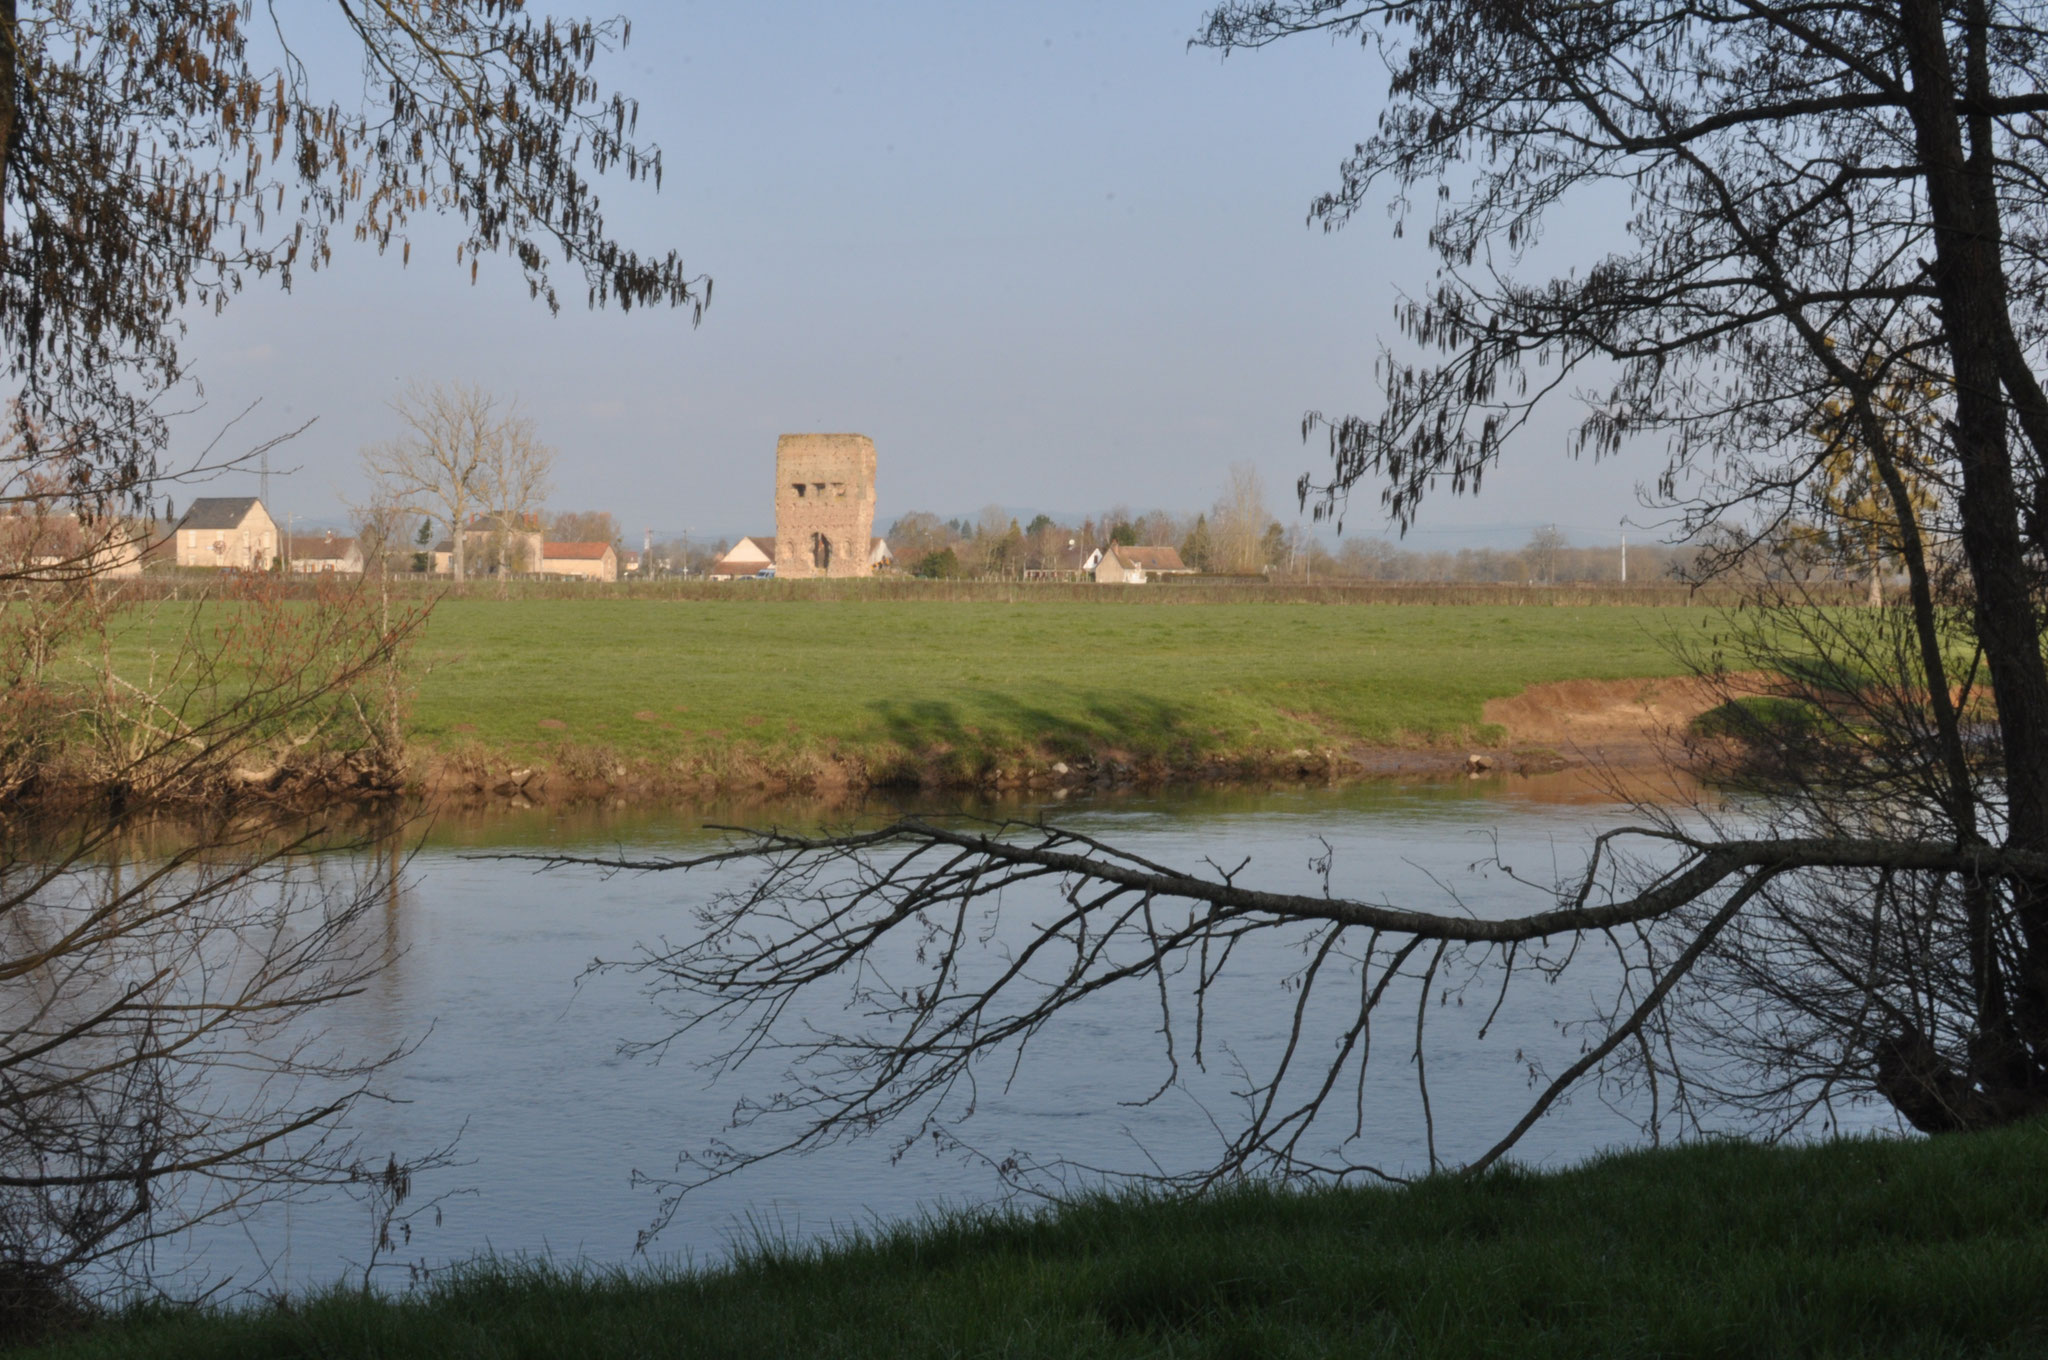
point(485, 958)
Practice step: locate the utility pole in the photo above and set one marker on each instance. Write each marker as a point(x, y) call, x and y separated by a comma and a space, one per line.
point(1624, 559)
point(284, 554)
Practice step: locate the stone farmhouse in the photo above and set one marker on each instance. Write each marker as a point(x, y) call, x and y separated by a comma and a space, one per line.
point(824, 505)
point(585, 561)
point(486, 551)
point(230, 533)
point(324, 553)
point(1113, 568)
point(487, 548)
point(1120, 565)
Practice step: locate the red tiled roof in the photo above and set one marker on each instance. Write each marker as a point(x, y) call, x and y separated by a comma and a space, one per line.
point(580, 552)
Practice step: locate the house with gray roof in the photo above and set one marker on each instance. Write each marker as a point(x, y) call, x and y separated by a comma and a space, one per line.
point(230, 533)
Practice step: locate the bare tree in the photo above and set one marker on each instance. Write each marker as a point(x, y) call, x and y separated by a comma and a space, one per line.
point(1546, 545)
point(198, 146)
point(583, 526)
point(157, 1070)
point(1833, 212)
point(382, 528)
point(1238, 524)
point(467, 454)
point(156, 158)
point(513, 487)
point(154, 1080)
point(1832, 204)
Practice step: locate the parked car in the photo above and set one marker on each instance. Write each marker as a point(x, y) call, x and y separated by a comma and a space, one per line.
point(766, 573)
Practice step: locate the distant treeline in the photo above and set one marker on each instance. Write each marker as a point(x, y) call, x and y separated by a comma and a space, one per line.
point(997, 547)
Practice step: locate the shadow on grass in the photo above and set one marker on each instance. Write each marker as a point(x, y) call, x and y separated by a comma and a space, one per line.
point(989, 724)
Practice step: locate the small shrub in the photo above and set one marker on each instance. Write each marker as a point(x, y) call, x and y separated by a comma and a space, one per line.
point(1760, 718)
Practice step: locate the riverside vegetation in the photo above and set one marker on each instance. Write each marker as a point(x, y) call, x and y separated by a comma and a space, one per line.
point(1858, 1247)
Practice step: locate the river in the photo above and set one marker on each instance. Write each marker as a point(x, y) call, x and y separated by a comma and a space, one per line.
point(518, 1064)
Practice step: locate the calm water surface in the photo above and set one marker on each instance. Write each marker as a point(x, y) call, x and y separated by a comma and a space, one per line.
point(518, 1054)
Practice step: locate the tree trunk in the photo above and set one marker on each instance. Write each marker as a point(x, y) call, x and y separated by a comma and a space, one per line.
point(1970, 287)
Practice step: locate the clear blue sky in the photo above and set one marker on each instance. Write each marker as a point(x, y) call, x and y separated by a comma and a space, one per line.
point(1045, 255)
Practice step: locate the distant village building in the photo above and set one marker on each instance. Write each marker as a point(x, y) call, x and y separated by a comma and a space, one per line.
point(824, 505)
point(745, 558)
point(1158, 561)
point(232, 533)
point(38, 545)
point(488, 549)
point(1115, 568)
point(587, 561)
point(1075, 562)
point(324, 553)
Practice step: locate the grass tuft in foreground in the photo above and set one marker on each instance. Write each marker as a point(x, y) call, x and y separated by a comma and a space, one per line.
point(1864, 1248)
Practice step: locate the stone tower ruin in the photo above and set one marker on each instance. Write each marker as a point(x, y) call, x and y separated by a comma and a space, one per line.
point(824, 504)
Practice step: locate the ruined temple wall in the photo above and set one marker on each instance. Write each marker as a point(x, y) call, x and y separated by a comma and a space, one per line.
point(824, 489)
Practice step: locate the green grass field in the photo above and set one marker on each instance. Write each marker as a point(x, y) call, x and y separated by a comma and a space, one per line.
point(950, 691)
point(1924, 1249)
point(658, 678)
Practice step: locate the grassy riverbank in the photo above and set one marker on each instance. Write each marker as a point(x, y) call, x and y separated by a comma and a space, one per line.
point(1926, 1248)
